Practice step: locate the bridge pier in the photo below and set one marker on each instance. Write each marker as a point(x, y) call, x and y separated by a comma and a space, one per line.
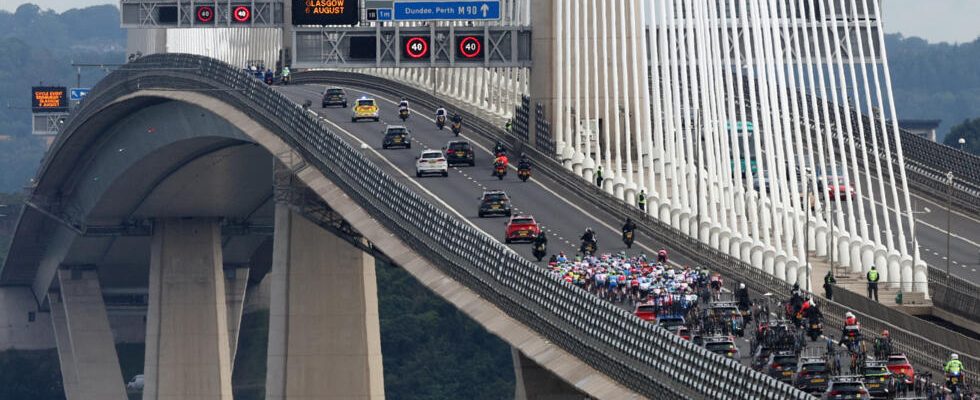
point(236, 281)
point(533, 382)
point(324, 331)
point(187, 345)
point(86, 350)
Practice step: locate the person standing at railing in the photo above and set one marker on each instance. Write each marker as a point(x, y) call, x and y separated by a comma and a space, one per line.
point(641, 200)
point(828, 284)
point(598, 176)
point(873, 283)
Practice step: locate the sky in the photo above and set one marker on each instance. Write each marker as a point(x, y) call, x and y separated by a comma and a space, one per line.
point(951, 21)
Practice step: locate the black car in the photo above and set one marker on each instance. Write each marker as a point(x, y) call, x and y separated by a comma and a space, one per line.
point(459, 152)
point(396, 136)
point(494, 202)
point(782, 366)
point(812, 376)
point(334, 97)
point(878, 379)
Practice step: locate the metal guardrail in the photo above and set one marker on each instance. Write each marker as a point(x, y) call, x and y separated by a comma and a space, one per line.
point(648, 360)
point(922, 351)
point(954, 294)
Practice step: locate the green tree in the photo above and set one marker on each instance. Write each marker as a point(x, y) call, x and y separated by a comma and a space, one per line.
point(969, 130)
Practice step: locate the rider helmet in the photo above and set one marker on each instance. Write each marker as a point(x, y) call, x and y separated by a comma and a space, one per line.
point(849, 315)
point(955, 356)
point(884, 333)
point(741, 286)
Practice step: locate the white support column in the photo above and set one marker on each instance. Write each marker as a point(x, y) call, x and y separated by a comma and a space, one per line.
point(236, 281)
point(89, 361)
point(187, 347)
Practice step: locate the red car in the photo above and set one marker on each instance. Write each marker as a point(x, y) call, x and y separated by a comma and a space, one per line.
point(521, 228)
point(838, 187)
point(900, 367)
point(646, 312)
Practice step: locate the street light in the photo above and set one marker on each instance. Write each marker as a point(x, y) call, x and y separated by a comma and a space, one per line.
point(962, 143)
point(949, 204)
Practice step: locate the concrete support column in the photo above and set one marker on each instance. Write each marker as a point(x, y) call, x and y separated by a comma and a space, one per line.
point(236, 280)
point(86, 348)
point(532, 382)
point(324, 332)
point(66, 357)
point(542, 83)
point(187, 346)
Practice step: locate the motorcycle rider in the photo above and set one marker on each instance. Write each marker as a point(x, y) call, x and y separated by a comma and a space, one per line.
point(440, 112)
point(500, 161)
point(285, 75)
point(524, 164)
point(540, 245)
point(588, 238)
point(742, 295)
point(629, 226)
point(457, 119)
point(954, 366)
point(499, 148)
point(403, 105)
point(812, 313)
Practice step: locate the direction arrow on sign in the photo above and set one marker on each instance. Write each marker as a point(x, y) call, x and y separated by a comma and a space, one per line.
point(77, 94)
point(465, 10)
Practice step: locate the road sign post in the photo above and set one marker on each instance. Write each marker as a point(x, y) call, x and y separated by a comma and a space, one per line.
point(466, 10)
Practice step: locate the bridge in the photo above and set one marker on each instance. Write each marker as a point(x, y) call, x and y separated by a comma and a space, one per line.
point(179, 172)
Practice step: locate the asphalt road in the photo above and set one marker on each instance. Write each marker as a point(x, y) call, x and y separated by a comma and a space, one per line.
point(459, 193)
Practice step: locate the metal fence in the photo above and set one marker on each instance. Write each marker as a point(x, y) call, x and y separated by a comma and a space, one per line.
point(522, 119)
point(648, 360)
point(544, 140)
point(954, 294)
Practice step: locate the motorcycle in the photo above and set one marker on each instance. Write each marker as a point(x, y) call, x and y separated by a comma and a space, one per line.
point(954, 382)
point(269, 79)
point(589, 247)
point(524, 174)
point(403, 114)
point(500, 170)
point(285, 80)
point(441, 121)
point(457, 128)
point(814, 330)
point(628, 239)
point(539, 251)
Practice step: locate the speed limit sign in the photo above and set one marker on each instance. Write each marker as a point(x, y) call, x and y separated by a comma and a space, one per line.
point(469, 47)
point(416, 47)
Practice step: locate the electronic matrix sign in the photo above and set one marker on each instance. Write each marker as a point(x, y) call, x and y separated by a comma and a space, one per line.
point(49, 99)
point(326, 12)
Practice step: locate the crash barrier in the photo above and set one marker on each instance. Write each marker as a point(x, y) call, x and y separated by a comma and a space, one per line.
point(522, 119)
point(923, 351)
point(648, 360)
point(955, 294)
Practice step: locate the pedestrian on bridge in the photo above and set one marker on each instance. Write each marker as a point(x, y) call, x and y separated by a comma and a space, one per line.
point(598, 176)
point(641, 200)
point(873, 283)
point(828, 284)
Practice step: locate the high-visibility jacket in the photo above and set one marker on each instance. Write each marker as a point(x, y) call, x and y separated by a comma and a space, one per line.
point(873, 276)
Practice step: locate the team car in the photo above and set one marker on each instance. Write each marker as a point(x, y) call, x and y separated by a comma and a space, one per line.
point(847, 387)
point(334, 97)
point(812, 375)
point(365, 108)
point(494, 202)
point(722, 345)
point(901, 368)
point(431, 162)
point(459, 152)
point(782, 366)
point(396, 136)
point(646, 311)
point(878, 380)
point(521, 228)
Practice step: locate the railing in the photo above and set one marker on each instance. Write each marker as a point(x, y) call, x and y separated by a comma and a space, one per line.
point(648, 360)
point(954, 294)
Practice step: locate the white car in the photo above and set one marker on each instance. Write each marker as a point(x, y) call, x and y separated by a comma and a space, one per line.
point(431, 162)
point(136, 384)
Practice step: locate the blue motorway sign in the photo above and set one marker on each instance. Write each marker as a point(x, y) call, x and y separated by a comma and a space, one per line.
point(77, 94)
point(465, 10)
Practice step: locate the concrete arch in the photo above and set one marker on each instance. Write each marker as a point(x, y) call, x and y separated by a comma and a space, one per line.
point(536, 347)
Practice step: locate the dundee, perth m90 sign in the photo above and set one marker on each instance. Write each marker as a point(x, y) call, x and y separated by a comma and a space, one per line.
point(325, 12)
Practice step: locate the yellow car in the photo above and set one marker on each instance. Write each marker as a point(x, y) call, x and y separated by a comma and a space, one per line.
point(365, 108)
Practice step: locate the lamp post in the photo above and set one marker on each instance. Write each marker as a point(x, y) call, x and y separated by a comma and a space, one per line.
point(962, 143)
point(949, 203)
point(806, 228)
